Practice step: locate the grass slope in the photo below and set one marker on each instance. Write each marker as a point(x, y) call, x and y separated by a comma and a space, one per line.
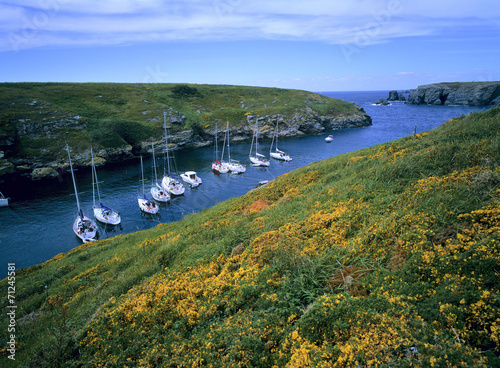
point(388, 256)
point(113, 115)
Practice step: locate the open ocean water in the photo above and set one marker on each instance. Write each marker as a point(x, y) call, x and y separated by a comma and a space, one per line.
point(38, 223)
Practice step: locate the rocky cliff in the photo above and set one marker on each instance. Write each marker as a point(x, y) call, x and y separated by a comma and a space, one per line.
point(34, 131)
point(472, 94)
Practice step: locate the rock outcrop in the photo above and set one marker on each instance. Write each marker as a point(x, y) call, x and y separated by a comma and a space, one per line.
point(383, 101)
point(306, 121)
point(471, 94)
point(395, 96)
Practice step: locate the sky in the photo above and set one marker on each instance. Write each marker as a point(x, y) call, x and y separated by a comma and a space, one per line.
point(315, 45)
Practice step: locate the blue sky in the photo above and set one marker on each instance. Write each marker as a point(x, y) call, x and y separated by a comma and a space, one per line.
point(318, 45)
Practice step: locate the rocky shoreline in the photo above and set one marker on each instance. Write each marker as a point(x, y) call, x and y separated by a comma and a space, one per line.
point(305, 122)
point(470, 94)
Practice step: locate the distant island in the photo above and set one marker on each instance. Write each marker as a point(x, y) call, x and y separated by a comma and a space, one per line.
point(121, 120)
point(458, 93)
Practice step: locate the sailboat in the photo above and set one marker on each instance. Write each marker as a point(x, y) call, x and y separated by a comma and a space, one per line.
point(158, 193)
point(4, 201)
point(84, 227)
point(101, 212)
point(170, 182)
point(218, 167)
point(278, 154)
point(144, 203)
point(256, 158)
point(233, 165)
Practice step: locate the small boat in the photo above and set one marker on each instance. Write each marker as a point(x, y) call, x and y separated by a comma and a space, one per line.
point(233, 165)
point(144, 203)
point(256, 158)
point(278, 154)
point(83, 227)
point(4, 201)
point(158, 193)
point(170, 182)
point(217, 166)
point(191, 178)
point(329, 138)
point(102, 213)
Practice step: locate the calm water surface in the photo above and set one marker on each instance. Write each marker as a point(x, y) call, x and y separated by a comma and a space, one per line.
point(38, 224)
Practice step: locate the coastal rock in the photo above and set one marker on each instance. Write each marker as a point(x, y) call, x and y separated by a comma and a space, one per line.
point(393, 96)
point(44, 172)
point(382, 101)
point(6, 167)
point(471, 94)
point(116, 154)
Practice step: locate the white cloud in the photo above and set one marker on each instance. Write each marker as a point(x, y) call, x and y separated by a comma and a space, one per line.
point(35, 23)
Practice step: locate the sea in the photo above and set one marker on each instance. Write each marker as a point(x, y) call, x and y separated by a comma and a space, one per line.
point(38, 223)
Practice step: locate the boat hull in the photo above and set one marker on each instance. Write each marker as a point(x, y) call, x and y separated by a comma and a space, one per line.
point(280, 156)
point(160, 194)
point(106, 216)
point(220, 168)
point(259, 161)
point(85, 229)
point(172, 186)
point(4, 202)
point(191, 178)
point(236, 168)
point(147, 206)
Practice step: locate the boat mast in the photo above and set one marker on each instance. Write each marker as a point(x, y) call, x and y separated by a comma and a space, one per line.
point(216, 149)
point(272, 142)
point(256, 137)
point(94, 177)
point(251, 146)
point(142, 171)
point(154, 162)
point(228, 152)
point(277, 123)
point(166, 140)
point(74, 182)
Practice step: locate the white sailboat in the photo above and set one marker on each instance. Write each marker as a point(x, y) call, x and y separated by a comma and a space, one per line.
point(101, 212)
point(170, 182)
point(158, 193)
point(4, 201)
point(233, 165)
point(144, 203)
point(217, 166)
point(84, 227)
point(278, 154)
point(256, 158)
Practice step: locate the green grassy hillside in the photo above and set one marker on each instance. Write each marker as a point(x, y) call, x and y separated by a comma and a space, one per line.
point(387, 257)
point(111, 115)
